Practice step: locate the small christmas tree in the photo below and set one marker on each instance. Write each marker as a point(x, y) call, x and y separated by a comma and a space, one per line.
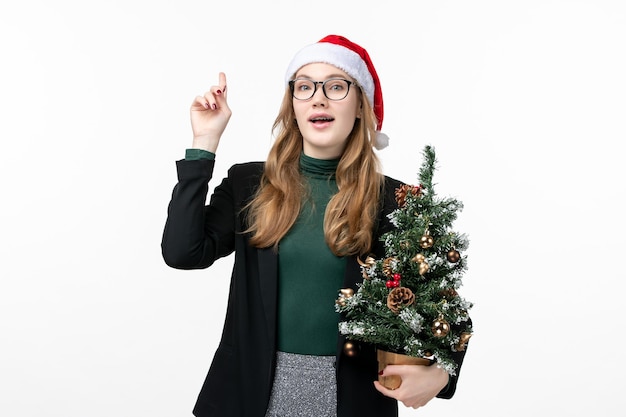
point(408, 302)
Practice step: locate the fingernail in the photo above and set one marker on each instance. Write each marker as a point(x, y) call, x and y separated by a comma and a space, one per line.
point(380, 372)
point(224, 89)
point(206, 105)
point(214, 106)
point(218, 92)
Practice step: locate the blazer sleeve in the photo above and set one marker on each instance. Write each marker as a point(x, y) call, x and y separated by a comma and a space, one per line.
point(197, 234)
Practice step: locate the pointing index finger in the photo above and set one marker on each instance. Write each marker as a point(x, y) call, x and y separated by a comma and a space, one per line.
point(222, 82)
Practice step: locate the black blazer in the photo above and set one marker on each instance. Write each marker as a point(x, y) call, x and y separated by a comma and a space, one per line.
point(240, 378)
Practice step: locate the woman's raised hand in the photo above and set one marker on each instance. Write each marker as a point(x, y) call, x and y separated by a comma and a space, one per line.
point(209, 116)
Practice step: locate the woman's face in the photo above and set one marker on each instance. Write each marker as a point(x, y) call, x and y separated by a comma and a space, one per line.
point(325, 124)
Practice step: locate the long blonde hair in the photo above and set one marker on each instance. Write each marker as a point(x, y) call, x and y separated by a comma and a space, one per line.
point(350, 214)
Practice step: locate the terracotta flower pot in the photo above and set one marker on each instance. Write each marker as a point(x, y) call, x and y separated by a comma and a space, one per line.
point(389, 358)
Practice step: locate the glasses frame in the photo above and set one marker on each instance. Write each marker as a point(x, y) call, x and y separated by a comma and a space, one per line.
point(323, 83)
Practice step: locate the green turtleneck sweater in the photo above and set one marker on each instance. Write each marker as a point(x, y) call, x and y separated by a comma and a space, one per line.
point(310, 275)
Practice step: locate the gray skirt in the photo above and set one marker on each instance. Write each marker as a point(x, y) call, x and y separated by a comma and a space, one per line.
point(304, 386)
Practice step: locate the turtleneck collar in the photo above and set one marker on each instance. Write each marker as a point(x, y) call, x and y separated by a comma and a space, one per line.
point(318, 168)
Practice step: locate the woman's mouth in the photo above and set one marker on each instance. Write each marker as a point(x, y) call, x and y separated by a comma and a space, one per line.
point(321, 119)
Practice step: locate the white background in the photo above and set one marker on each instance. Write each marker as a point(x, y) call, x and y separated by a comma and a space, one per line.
point(524, 101)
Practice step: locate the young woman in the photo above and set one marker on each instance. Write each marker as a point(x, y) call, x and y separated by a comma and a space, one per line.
point(297, 224)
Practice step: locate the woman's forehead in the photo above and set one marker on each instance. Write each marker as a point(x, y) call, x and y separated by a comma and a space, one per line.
point(319, 70)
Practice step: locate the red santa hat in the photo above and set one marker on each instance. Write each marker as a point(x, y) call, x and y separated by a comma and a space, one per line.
point(355, 61)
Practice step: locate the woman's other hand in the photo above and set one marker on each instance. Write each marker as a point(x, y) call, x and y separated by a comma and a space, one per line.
point(420, 384)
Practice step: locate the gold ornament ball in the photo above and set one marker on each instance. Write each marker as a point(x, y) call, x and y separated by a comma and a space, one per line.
point(351, 349)
point(440, 327)
point(419, 258)
point(453, 256)
point(426, 241)
point(346, 292)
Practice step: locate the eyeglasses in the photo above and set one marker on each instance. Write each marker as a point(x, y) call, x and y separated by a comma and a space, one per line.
point(333, 88)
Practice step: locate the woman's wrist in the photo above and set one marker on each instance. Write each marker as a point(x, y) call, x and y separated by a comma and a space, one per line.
point(205, 142)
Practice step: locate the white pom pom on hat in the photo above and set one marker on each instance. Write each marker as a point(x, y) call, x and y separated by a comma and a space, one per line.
point(355, 61)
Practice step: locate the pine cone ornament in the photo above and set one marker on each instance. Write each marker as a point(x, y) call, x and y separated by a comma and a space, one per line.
point(389, 265)
point(399, 297)
point(403, 190)
point(449, 293)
